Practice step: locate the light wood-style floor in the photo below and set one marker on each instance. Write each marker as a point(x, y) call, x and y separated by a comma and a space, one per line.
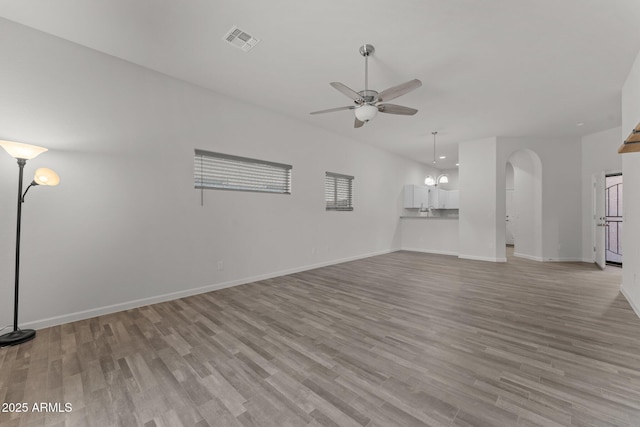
point(404, 339)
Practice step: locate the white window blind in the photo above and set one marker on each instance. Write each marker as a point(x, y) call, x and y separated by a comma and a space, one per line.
point(226, 172)
point(338, 192)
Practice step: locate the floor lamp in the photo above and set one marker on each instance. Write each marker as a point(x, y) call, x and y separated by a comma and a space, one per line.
point(43, 176)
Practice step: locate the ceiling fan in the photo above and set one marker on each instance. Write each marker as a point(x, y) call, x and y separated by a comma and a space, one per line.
point(368, 102)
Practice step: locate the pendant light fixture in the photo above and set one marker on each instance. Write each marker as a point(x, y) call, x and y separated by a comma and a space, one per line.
point(441, 179)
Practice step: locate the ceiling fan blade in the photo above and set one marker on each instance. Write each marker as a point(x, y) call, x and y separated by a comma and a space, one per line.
point(331, 110)
point(358, 123)
point(347, 91)
point(396, 91)
point(396, 109)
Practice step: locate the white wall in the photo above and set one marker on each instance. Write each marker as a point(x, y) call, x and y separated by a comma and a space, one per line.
point(432, 235)
point(599, 153)
point(482, 201)
point(125, 226)
point(631, 190)
point(479, 199)
point(561, 192)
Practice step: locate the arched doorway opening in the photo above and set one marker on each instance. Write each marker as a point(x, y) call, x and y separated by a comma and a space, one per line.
point(523, 219)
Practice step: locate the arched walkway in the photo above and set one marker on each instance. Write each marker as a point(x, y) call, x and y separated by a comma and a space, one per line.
point(524, 204)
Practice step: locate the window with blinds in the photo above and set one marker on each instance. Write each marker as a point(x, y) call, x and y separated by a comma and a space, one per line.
point(226, 172)
point(338, 192)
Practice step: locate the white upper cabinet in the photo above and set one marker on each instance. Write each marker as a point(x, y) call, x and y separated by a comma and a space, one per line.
point(416, 196)
point(443, 199)
point(437, 198)
point(424, 197)
point(453, 199)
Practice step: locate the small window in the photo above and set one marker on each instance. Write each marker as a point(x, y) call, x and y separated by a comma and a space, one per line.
point(338, 192)
point(226, 172)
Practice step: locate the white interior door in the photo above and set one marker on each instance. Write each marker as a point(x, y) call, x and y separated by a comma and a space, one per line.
point(510, 235)
point(599, 220)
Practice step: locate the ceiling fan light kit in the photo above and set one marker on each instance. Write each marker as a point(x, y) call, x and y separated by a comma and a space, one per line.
point(369, 102)
point(366, 112)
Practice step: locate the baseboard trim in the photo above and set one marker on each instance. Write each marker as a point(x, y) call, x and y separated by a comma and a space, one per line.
point(482, 258)
point(540, 259)
point(430, 251)
point(634, 307)
point(128, 305)
point(529, 257)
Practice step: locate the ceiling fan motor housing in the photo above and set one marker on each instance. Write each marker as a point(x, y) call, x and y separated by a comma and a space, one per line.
point(368, 95)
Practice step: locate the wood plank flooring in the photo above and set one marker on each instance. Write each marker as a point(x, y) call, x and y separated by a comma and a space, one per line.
point(404, 339)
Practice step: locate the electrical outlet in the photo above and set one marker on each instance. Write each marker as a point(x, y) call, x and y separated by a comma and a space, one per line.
point(220, 265)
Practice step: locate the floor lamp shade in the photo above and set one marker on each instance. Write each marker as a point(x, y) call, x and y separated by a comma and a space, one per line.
point(45, 176)
point(18, 150)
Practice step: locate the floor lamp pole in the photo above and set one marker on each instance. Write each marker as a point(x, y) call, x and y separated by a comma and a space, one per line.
point(21, 163)
point(18, 336)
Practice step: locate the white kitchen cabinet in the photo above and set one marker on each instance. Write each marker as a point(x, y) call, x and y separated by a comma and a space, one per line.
point(443, 199)
point(416, 196)
point(453, 199)
point(424, 197)
point(437, 198)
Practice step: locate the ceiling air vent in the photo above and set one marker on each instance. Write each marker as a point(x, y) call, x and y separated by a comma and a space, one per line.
point(240, 39)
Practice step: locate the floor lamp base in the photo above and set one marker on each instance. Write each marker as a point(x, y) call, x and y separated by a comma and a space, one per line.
point(17, 337)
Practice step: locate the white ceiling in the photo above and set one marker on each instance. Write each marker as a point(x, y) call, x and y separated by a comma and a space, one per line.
point(488, 67)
